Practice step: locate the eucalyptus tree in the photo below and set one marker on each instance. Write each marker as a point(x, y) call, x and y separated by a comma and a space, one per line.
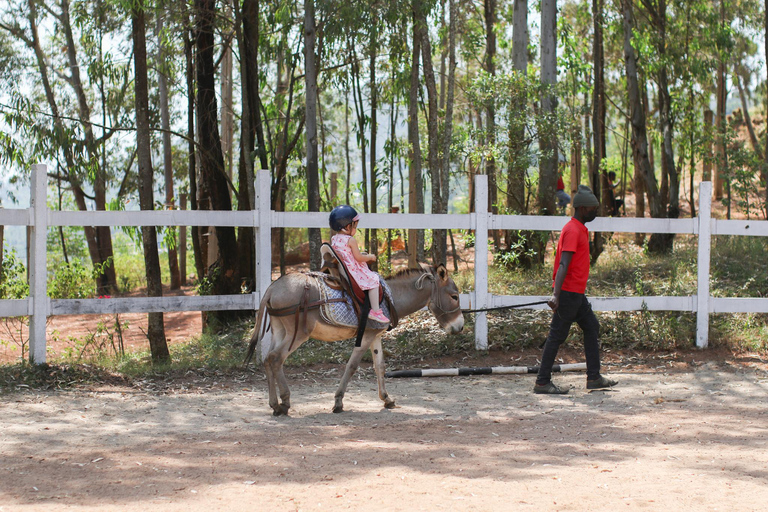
point(518, 165)
point(547, 135)
point(215, 195)
point(489, 64)
point(310, 94)
point(639, 141)
point(155, 327)
point(415, 178)
point(63, 130)
point(163, 70)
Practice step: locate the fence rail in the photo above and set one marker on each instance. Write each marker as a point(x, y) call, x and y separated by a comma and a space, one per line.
point(38, 218)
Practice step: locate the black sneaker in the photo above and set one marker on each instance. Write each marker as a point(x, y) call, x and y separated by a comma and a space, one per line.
point(601, 383)
point(549, 389)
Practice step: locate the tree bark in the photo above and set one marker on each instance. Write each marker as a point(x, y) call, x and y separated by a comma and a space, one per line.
point(439, 247)
point(227, 91)
point(547, 137)
point(310, 78)
point(663, 242)
point(637, 115)
point(99, 239)
point(165, 121)
point(720, 117)
point(764, 171)
point(250, 120)
point(155, 329)
point(415, 198)
point(517, 162)
point(223, 276)
point(448, 126)
point(191, 152)
point(599, 177)
point(747, 118)
point(490, 7)
point(373, 50)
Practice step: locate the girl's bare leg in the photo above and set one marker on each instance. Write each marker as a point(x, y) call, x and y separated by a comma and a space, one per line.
point(373, 295)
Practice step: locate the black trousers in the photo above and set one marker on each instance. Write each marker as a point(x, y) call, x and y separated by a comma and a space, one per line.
point(574, 307)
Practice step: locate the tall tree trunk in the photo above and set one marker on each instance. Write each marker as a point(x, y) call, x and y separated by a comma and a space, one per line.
point(639, 139)
point(359, 102)
point(212, 171)
point(599, 176)
point(490, 112)
point(191, 151)
point(225, 73)
point(59, 131)
point(663, 242)
point(415, 184)
point(547, 137)
point(347, 158)
point(248, 41)
point(165, 120)
point(721, 93)
point(517, 161)
point(764, 172)
point(374, 245)
point(310, 80)
point(107, 282)
point(433, 157)
point(448, 126)
point(518, 145)
point(155, 329)
point(747, 118)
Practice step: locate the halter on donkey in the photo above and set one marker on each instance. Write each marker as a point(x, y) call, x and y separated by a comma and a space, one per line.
point(299, 296)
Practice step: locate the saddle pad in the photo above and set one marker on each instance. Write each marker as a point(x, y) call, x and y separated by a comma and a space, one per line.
point(343, 313)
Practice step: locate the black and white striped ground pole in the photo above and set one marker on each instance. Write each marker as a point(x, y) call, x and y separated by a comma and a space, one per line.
point(487, 370)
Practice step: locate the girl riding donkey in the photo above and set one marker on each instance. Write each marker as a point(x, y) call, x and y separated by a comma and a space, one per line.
point(343, 221)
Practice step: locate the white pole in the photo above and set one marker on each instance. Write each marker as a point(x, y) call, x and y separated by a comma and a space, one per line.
point(263, 247)
point(264, 236)
point(705, 246)
point(481, 261)
point(38, 263)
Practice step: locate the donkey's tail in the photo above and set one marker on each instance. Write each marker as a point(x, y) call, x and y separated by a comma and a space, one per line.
point(259, 329)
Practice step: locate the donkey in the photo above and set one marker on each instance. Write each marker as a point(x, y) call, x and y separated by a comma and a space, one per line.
point(412, 290)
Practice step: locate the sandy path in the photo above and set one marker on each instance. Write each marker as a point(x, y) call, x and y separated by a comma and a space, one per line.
point(691, 440)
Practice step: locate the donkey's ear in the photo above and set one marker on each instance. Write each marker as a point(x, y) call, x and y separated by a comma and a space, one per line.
point(442, 272)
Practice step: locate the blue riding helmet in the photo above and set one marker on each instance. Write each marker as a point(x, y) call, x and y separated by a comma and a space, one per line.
point(342, 216)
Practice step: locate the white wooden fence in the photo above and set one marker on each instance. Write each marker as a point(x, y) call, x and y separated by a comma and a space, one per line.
point(39, 306)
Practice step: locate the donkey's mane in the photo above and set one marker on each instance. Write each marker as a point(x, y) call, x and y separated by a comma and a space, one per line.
point(407, 272)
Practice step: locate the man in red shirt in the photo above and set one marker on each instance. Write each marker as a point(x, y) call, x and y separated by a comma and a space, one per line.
point(569, 303)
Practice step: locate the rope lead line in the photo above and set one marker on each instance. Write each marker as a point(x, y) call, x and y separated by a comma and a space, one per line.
point(498, 308)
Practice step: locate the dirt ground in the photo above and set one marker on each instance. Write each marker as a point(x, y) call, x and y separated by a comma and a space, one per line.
point(690, 435)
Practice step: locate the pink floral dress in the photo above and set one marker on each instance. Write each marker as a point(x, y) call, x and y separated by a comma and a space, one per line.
point(366, 278)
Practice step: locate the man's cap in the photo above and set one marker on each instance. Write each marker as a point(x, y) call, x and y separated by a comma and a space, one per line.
point(585, 197)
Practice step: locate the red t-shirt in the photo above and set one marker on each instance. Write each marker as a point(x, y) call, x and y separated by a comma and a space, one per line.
point(574, 238)
point(560, 184)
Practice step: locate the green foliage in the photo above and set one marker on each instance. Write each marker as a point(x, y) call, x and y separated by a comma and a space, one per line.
point(13, 277)
point(75, 280)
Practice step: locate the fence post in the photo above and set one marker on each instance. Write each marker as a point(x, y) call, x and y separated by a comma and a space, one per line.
point(183, 243)
point(703, 263)
point(38, 263)
point(264, 234)
point(481, 260)
point(263, 214)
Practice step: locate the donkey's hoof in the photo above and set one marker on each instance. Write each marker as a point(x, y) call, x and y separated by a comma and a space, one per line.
point(338, 408)
point(280, 411)
point(390, 404)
